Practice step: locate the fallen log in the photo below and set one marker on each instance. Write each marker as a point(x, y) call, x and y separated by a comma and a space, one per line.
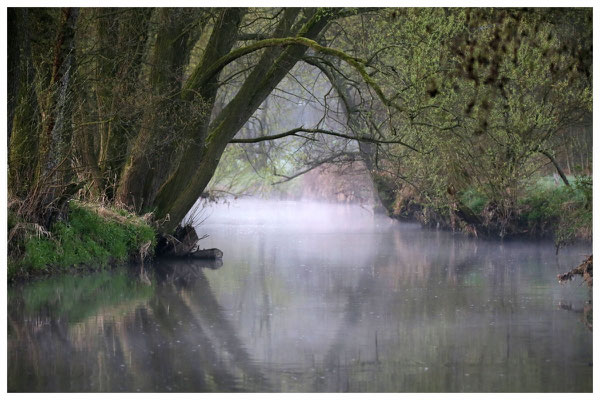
point(206, 254)
point(584, 269)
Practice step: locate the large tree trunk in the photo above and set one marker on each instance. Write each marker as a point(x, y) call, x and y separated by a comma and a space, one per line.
point(154, 151)
point(182, 190)
point(23, 114)
point(56, 132)
point(51, 173)
point(15, 17)
point(112, 48)
point(133, 34)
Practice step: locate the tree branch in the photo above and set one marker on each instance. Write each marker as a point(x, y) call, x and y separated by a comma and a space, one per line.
point(349, 157)
point(555, 163)
point(198, 78)
point(294, 132)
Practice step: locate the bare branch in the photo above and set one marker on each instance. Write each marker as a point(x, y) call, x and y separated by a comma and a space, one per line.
point(349, 157)
point(294, 132)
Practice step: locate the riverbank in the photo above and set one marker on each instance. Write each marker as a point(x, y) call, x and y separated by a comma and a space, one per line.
point(544, 209)
point(90, 236)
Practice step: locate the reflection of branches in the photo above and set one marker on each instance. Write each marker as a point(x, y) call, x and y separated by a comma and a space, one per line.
point(586, 311)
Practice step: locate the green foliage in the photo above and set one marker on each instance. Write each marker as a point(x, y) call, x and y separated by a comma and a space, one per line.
point(483, 92)
point(40, 252)
point(473, 199)
point(564, 210)
point(86, 238)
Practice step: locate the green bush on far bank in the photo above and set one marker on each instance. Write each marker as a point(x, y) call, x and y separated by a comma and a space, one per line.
point(91, 235)
point(566, 211)
point(546, 208)
point(475, 200)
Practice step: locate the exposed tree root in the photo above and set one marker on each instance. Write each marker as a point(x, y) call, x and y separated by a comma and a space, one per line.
point(184, 243)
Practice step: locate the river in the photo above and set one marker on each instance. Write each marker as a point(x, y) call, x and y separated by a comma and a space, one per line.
point(311, 298)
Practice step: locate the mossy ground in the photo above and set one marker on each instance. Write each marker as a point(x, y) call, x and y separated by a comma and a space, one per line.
point(90, 236)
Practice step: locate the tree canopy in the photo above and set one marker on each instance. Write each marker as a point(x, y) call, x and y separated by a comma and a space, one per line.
point(137, 106)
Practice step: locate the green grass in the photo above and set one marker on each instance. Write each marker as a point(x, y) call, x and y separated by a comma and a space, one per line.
point(88, 237)
point(564, 210)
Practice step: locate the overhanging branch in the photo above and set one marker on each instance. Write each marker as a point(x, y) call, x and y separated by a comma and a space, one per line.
point(199, 78)
point(345, 157)
point(295, 131)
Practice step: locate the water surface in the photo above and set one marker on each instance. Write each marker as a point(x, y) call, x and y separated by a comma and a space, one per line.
point(311, 298)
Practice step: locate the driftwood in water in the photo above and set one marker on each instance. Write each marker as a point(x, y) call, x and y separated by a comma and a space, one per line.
point(187, 240)
point(206, 254)
point(585, 269)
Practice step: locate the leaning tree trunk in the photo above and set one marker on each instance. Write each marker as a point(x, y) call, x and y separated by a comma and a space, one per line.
point(185, 186)
point(556, 165)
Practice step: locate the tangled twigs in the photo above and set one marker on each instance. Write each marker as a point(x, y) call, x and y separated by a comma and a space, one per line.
point(585, 269)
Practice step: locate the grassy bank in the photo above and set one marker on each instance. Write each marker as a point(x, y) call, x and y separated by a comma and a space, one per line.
point(543, 208)
point(90, 236)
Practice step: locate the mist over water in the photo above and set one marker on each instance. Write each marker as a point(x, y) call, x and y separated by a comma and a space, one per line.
point(298, 216)
point(312, 297)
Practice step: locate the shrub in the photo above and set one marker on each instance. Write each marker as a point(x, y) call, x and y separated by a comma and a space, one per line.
point(475, 200)
point(566, 211)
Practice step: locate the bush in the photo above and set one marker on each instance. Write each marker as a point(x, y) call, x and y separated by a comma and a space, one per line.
point(566, 211)
point(475, 200)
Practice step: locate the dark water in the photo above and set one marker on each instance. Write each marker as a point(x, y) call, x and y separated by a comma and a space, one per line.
point(304, 303)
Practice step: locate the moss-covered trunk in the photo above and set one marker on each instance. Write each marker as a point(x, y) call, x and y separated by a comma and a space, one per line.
point(56, 126)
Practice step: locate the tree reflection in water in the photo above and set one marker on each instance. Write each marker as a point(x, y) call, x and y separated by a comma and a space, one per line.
point(172, 337)
point(300, 311)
